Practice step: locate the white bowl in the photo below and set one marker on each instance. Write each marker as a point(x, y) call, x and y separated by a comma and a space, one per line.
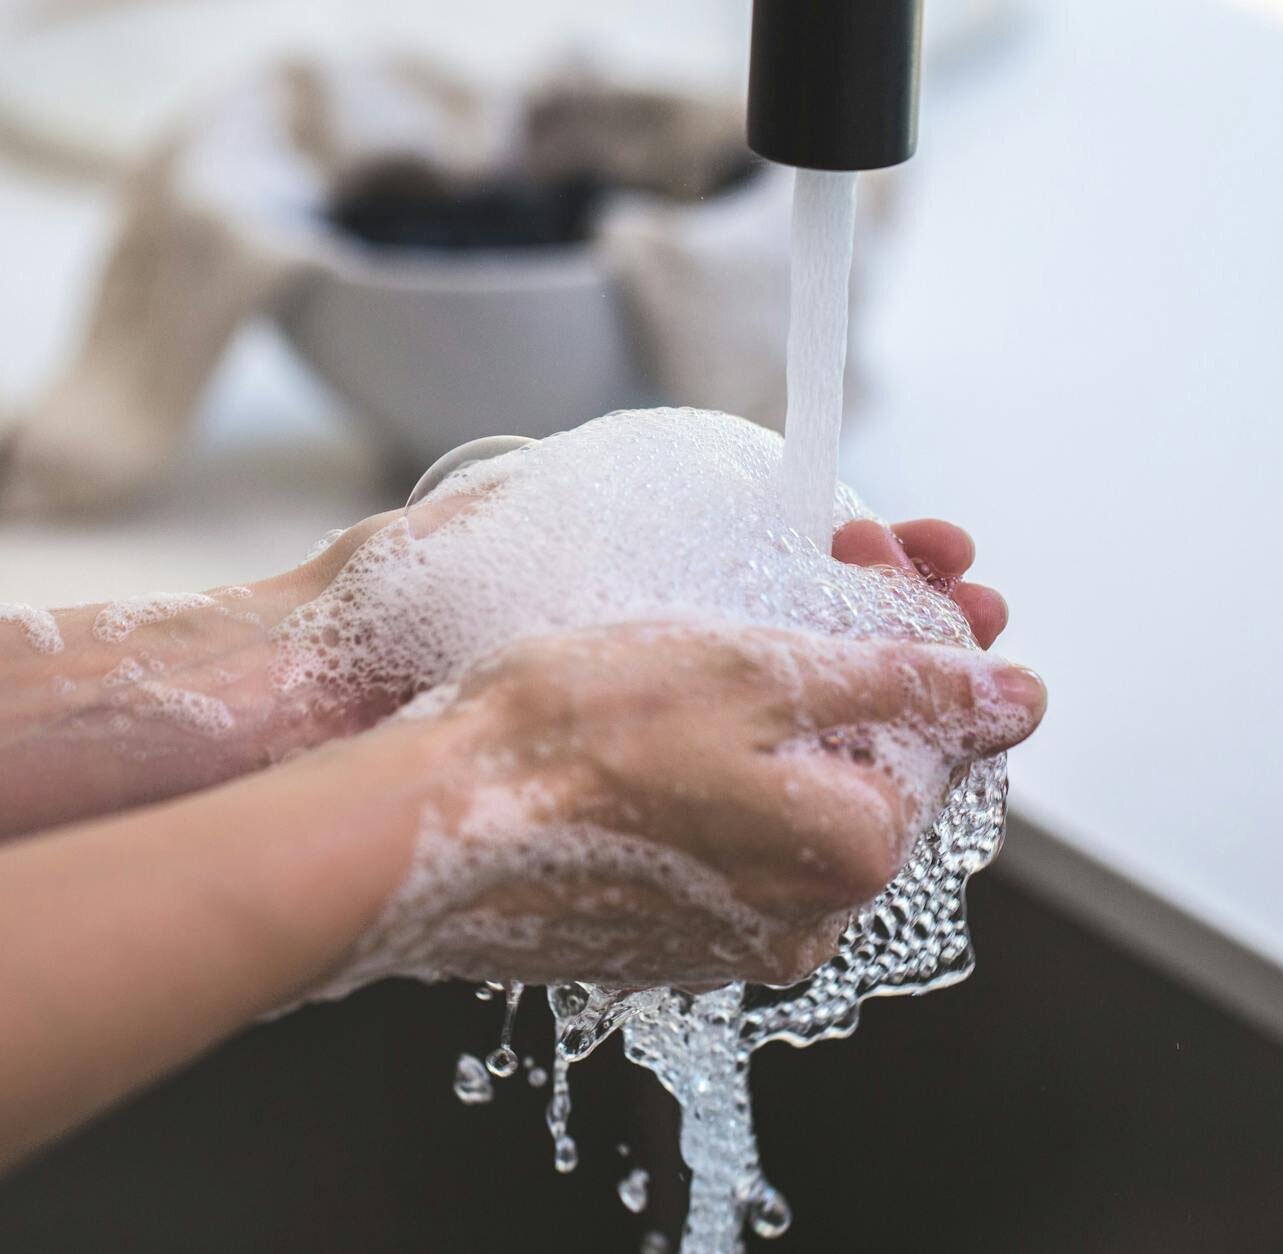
point(435, 350)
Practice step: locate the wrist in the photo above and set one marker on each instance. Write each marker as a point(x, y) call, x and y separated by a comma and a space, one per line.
point(386, 796)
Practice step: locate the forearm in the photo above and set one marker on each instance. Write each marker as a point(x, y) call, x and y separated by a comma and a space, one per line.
point(148, 700)
point(129, 946)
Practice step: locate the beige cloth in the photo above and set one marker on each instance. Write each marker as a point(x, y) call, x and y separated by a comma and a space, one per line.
point(221, 223)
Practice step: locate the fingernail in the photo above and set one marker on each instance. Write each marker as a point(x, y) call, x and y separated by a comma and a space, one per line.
point(1021, 686)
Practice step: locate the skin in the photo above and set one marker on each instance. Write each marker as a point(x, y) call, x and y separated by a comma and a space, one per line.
point(693, 739)
point(131, 942)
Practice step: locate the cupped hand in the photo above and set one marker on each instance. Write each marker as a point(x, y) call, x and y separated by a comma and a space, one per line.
point(687, 805)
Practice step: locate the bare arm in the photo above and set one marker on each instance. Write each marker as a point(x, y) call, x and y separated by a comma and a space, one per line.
point(140, 705)
point(130, 945)
point(146, 699)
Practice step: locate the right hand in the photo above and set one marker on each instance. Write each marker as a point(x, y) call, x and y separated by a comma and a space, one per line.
point(684, 804)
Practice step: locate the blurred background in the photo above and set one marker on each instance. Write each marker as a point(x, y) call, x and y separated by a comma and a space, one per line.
point(263, 260)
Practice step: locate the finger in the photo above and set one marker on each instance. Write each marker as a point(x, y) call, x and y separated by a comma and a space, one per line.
point(984, 609)
point(979, 705)
point(974, 705)
point(947, 549)
point(865, 542)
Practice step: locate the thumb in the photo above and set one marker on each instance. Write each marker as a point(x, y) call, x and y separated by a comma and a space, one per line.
point(985, 703)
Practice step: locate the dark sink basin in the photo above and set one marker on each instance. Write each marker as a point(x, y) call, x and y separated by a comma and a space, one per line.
point(1064, 1099)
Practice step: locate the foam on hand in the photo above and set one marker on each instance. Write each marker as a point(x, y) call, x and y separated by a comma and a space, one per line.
point(674, 516)
point(646, 515)
point(37, 625)
point(120, 619)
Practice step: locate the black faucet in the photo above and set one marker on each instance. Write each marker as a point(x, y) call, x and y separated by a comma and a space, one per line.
point(833, 84)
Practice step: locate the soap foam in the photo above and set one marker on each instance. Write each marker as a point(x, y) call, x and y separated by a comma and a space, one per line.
point(37, 625)
point(127, 671)
point(191, 711)
point(641, 515)
point(117, 621)
point(120, 619)
point(671, 516)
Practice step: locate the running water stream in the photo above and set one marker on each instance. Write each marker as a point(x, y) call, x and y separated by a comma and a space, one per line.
point(823, 234)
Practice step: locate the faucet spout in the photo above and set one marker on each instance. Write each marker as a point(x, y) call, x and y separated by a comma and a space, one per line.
point(833, 84)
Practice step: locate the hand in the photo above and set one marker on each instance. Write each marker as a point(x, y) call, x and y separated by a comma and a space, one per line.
point(937, 551)
point(635, 805)
point(676, 804)
point(141, 702)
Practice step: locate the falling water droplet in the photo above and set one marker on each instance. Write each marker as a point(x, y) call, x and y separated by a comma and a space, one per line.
point(565, 1154)
point(501, 1062)
point(471, 1081)
point(769, 1212)
point(537, 1077)
point(654, 1243)
point(633, 1190)
point(512, 999)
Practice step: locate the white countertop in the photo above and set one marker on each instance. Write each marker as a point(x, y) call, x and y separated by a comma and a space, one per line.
point(1076, 350)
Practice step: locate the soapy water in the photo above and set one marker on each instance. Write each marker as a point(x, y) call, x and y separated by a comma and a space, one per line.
point(669, 516)
point(146, 697)
point(38, 626)
point(120, 619)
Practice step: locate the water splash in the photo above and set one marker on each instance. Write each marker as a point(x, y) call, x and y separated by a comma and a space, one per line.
point(912, 938)
point(502, 1062)
point(472, 1084)
point(565, 1153)
point(634, 1190)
